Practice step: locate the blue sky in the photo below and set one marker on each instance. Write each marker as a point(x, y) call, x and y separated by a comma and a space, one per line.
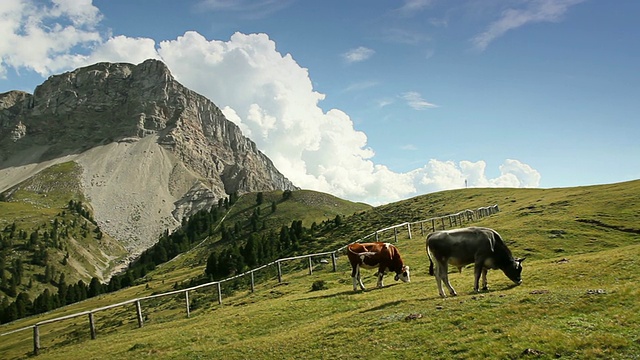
point(377, 101)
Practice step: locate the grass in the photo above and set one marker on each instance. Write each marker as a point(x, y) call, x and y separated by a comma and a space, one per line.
point(32, 206)
point(578, 299)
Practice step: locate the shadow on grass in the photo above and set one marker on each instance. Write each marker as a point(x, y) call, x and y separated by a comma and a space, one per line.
point(383, 306)
point(435, 295)
point(348, 292)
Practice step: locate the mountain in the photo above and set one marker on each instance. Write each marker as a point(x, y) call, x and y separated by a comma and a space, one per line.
point(150, 151)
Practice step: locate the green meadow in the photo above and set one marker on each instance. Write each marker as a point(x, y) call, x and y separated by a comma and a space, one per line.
point(578, 300)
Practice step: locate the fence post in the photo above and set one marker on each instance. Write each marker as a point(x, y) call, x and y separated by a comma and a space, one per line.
point(92, 326)
point(333, 260)
point(409, 230)
point(219, 294)
point(36, 340)
point(310, 266)
point(443, 226)
point(421, 228)
point(253, 283)
point(376, 235)
point(450, 222)
point(395, 234)
point(433, 225)
point(139, 311)
point(186, 300)
point(279, 271)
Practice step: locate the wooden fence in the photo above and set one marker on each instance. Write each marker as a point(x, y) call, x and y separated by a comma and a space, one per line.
point(432, 224)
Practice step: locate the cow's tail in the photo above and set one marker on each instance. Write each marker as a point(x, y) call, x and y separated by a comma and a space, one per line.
point(364, 253)
point(493, 238)
point(431, 272)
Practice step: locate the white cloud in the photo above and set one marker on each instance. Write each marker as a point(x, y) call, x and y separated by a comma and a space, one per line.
point(534, 11)
point(269, 95)
point(41, 37)
point(360, 86)
point(415, 100)
point(384, 102)
point(411, 7)
point(358, 54)
point(251, 9)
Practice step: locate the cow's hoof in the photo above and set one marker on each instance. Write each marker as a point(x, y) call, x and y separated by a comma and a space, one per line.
point(485, 288)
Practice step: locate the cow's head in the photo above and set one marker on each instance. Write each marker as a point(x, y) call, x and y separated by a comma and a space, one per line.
point(404, 275)
point(514, 271)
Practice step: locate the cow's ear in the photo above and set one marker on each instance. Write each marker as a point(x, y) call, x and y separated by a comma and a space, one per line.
point(520, 260)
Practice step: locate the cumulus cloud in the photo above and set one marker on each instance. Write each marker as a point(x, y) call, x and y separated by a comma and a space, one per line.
point(40, 37)
point(358, 54)
point(268, 94)
point(534, 11)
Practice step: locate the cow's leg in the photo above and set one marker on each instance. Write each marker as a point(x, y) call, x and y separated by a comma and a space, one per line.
point(439, 281)
point(477, 271)
point(443, 274)
point(380, 276)
point(484, 279)
point(355, 274)
point(359, 280)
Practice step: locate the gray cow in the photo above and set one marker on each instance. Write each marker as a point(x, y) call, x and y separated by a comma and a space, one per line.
point(482, 247)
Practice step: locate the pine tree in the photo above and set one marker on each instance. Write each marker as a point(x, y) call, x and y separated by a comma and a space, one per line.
point(62, 290)
point(3, 276)
point(18, 270)
point(212, 265)
point(251, 251)
point(95, 287)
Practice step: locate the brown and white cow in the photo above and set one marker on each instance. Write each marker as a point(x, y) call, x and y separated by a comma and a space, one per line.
point(482, 247)
point(384, 256)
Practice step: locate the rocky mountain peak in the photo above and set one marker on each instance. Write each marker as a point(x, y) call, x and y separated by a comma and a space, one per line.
point(150, 148)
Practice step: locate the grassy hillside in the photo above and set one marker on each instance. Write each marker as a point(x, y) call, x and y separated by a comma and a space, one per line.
point(310, 207)
point(578, 299)
point(45, 225)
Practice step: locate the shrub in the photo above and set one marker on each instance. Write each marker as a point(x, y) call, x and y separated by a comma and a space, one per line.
point(318, 285)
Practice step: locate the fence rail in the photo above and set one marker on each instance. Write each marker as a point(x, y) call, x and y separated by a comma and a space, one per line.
point(434, 223)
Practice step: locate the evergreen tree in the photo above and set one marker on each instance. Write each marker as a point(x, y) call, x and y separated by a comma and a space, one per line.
point(10, 313)
point(212, 265)
point(3, 276)
point(48, 274)
point(62, 290)
point(260, 198)
point(251, 250)
point(18, 270)
point(285, 240)
point(12, 290)
point(23, 305)
point(95, 287)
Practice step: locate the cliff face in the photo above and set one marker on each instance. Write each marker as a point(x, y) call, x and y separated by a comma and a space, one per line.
point(152, 150)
